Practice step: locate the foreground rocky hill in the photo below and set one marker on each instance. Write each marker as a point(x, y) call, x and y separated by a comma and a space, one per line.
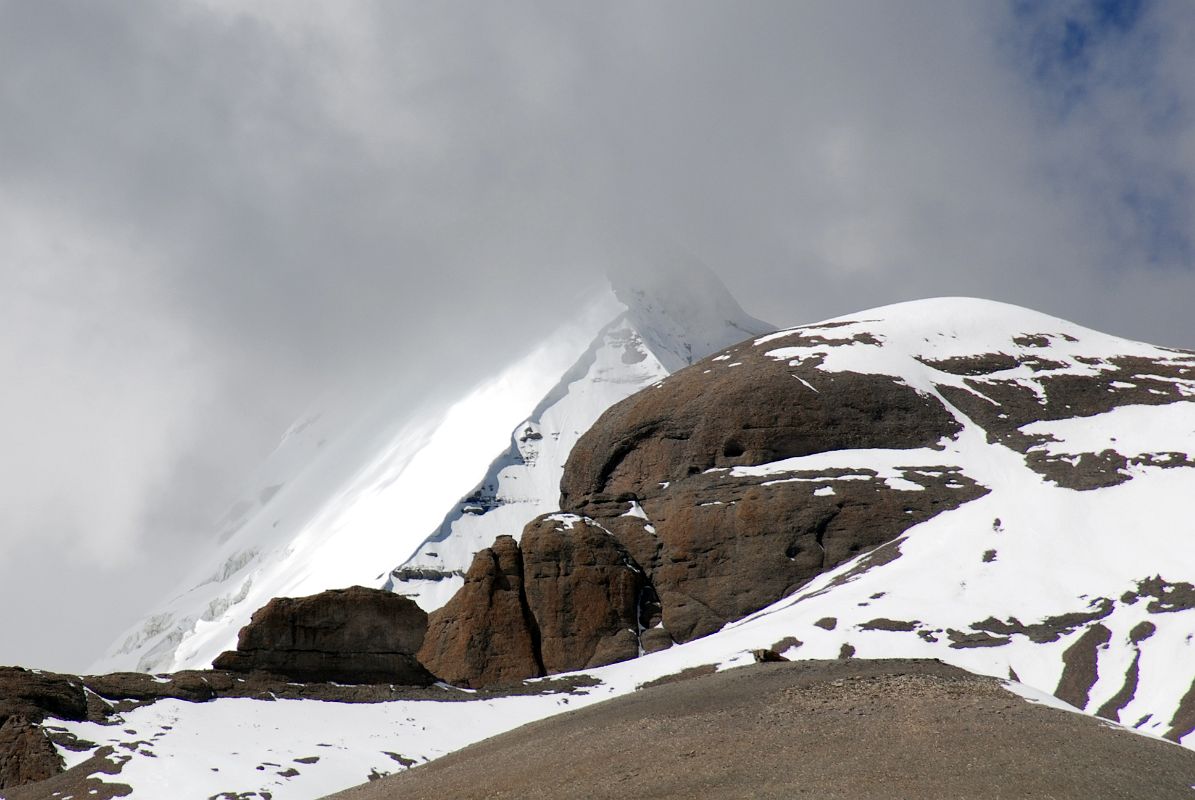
point(838, 730)
point(971, 482)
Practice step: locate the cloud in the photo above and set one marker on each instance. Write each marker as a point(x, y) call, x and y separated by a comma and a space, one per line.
point(214, 212)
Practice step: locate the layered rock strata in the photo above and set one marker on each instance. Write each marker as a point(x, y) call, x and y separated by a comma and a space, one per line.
point(354, 635)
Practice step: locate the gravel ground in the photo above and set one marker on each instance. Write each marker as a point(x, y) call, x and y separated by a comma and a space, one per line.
point(850, 729)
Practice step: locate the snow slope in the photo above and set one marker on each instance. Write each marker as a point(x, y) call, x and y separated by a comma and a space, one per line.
point(340, 505)
point(1089, 595)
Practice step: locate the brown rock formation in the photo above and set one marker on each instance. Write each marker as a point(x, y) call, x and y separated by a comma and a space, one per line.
point(583, 591)
point(668, 543)
point(354, 635)
point(709, 416)
point(484, 635)
point(717, 546)
point(26, 755)
point(36, 695)
point(567, 599)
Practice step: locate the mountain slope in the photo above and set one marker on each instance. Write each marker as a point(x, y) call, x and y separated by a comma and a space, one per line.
point(836, 730)
point(1072, 571)
point(341, 506)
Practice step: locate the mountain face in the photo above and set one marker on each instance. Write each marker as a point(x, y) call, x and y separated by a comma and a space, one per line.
point(660, 331)
point(341, 504)
point(950, 479)
point(1018, 483)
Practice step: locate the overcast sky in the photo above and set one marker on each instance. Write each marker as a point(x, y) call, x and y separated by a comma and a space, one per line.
point(211, 212)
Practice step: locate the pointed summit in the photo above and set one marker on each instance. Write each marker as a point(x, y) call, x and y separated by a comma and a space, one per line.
point(681, 309)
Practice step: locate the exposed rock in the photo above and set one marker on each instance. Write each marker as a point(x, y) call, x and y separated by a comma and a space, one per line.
point(194, 687)
point(35, 695)
point(1114, 705)
point(354, 635)
point(1049, 629)
point(82, 780)
point(583, 591)
point(1079, 671)
point(485, 635)
point(568, 598)
point(885, 624)
point(26, 755)
point(753, 414)
point(1166, 596)
point(717, 545)
point(1003, 405)
point(960, 640)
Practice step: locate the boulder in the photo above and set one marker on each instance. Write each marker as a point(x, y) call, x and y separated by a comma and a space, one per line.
point(583, 590)
point(485, 635)
point(568, 598)
point(26, 755)
point(354, 635)
point(35, 695)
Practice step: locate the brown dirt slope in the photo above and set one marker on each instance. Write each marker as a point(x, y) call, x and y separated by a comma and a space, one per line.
point(851, 729)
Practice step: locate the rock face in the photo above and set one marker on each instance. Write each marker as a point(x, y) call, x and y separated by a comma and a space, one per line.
point(35, 695)
point(681, 513)
point(26, 755)
point(583, 592)
point(354, 635)
point(669, 471)
point(568, 598)
point(485, 635)
point(26, 698)
point(756, 413)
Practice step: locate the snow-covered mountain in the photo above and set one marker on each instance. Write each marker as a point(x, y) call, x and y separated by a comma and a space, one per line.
point(660, 331)
point(1070, 575)
point(341, 504)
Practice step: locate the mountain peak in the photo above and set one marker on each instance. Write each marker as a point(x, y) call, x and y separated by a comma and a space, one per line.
point(681, 308)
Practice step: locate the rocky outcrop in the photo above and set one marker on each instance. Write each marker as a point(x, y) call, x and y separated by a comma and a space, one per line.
point(1004, 405)
point(26, 698)
point(568, 598)
point(583, 590)
point(709, 416)
point(485, 636)
point(34, 694)
point(667, 531)
point(354, 635)
point(26, 755)
point(663, 471)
